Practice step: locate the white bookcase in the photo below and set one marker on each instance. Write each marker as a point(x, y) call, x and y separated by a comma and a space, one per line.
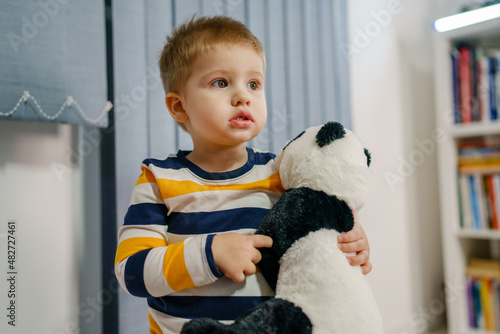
point(459, 245)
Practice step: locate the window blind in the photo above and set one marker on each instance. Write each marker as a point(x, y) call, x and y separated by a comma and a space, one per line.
point(53, 61)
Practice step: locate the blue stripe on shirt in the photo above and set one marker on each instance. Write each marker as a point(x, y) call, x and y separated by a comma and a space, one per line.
point(179, 161)
point(181, 156)
point(169, 163)
point(262, 158)
point(133, 281)
point(210, 256)
point(215, 222)
point(218, 308)
point(146, 214)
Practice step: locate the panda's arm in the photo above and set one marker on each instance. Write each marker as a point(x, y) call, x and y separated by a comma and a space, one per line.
point(297, 213)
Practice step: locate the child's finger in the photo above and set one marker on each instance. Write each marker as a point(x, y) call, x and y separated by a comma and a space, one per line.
point(355, 246)
point(250, 270)
point(238, 277)
point(352, 235)
point(359, 259)
point(366, 267)
point(260, 241)
point(256, 256)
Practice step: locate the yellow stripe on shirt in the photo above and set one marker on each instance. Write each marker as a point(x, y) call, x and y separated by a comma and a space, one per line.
point(174, 268)
point(146, 177)
point(153, 326)
point(129, 247)
point(173, 188)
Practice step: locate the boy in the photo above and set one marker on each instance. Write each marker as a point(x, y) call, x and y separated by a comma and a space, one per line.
point(187, 243)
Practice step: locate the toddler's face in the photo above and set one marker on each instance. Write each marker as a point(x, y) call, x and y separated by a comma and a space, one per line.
point(224, 97)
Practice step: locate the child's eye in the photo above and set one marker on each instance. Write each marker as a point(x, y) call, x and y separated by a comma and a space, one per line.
point(253, 85)
point(220, 83)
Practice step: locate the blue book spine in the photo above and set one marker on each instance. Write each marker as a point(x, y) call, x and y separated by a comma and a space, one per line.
point(476, 298)
point(493, 64)
point(474, 203)
point(470, 302)
point(478, 310)
point(475, 90)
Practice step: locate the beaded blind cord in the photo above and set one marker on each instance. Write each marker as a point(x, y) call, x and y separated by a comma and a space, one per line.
point(68, 103)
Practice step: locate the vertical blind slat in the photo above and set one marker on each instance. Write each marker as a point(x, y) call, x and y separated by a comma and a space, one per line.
point(185, 10)
point(277, 109)
point(328, 92)
point(236, 9)
point(296, 105)
point(341, 63)
point(161, 125)
point(313, 68)
point(255, 15)
point(212, 8)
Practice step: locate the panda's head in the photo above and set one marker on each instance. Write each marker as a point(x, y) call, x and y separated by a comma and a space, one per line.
point(327, 158)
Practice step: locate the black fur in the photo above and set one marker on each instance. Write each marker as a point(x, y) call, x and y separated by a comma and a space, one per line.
point(297, 213)
point(368, 157)
point(274, 316)
point(329, 132)
point(294, 139)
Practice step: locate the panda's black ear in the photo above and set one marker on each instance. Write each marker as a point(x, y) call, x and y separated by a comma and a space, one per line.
point(329, 132)
point(368, 157)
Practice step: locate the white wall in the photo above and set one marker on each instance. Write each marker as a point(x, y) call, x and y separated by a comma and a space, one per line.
point(44, 189)
point(392, 99)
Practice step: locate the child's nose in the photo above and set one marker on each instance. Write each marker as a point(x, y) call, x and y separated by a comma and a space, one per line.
point(240, 97)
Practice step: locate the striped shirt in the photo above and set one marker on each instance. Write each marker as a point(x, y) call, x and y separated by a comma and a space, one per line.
point(164, 246)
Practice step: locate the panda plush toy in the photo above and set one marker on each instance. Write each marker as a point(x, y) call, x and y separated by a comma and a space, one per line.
point(326, 176)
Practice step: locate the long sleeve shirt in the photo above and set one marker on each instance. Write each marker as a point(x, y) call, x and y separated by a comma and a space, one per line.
point(164, 246)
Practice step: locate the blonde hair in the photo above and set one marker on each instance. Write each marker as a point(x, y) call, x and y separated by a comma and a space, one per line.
point(197, 37)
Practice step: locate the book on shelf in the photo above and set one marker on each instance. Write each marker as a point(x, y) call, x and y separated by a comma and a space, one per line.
point(479, 183)
point(483, 294)
point(476, 83)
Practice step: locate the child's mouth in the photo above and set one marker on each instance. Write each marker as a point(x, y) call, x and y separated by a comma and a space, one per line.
point(242, 119)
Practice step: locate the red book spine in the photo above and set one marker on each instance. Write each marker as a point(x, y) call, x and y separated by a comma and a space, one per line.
point(466, 88)
point(492, 191)
point(479, 68)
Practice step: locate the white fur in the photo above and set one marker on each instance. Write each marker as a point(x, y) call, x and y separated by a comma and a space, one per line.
point(338, 169)
point(316, 276)
point(314, 273)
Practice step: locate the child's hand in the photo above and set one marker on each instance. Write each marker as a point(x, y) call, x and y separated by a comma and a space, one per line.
point(236, 255)
point(355, 241)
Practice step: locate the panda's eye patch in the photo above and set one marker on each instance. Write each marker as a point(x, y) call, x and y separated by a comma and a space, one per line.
point(368, 157)
point(294, 139)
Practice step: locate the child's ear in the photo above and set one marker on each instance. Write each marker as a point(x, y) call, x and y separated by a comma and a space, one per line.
point(175, 107)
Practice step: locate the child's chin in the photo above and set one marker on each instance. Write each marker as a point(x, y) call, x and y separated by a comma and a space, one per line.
point(242, 135)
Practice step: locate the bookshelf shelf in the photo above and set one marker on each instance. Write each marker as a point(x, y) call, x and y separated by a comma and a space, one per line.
point(475, 129)
point(474, 234)
point(459, 245)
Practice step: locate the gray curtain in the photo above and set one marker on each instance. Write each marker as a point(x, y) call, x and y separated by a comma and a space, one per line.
point(53, 61)
point(307, 84)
